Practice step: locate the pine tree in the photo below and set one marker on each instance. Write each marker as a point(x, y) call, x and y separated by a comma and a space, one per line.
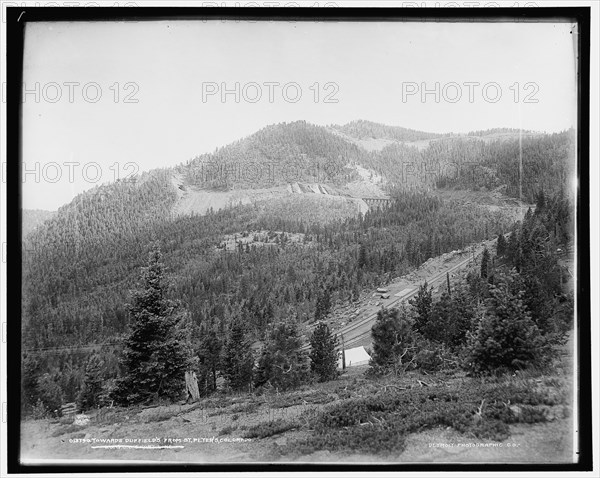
point(50, 393)
point(393, 341)
point(514, 251)
point(506, 336)
point(540, 201)
point(282, 364)
point(91, 388)
point(238, 362)
point(485, 259)
point(323, 353)
point(421, 304)
point(363, 260)
point(323, 305)
point(29, 383)
point(158, 351)
point(450, 319)
point(501, 246)
point(209, 361)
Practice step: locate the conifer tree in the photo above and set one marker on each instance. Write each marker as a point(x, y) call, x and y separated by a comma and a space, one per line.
point(450, 319)
point(501, 246)
point(91, 388)
point(393, 341)
point(323, 353)
point(421, 304)
point(158, 350)
point(238, 362)
point(506, 337)
point(323, 305)
point(282, 364)
point(50, 393)
point(485, 259)
point(363, 260)
point(513, 249)
point(209, 355)
point(29, 382)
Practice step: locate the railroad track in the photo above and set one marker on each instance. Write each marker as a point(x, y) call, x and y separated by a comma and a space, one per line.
point(363, 326)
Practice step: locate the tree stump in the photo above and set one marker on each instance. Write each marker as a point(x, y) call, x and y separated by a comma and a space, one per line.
point(191, 384)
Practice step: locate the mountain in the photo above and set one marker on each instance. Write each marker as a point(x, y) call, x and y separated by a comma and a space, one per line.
point(372, 136)
point(81, 262)
point(353, 161)
point(264, 248)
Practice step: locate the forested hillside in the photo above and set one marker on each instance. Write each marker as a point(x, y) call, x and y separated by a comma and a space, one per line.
point(361, 129)
point(292, 256)
point(33, 218)
point(276, 155)
point(300, 152)
point(522, 168)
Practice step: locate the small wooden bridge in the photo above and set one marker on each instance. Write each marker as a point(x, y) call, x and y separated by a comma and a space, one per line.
point(378, 203)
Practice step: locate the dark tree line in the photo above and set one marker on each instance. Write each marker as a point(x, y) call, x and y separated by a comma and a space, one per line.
point(509, 316)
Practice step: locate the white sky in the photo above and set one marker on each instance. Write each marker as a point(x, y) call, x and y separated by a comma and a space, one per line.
point(170, 61)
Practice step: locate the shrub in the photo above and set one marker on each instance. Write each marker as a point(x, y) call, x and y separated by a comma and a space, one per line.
point(227, 430)
point(380, 424)
point(267, 429)
point(50, 394)
point(38, 411)
point(430, 356)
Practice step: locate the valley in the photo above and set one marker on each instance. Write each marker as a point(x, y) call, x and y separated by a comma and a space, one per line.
point(251, 268)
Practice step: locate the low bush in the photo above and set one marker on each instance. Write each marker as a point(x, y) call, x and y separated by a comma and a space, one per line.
point(380, 424)
point(227, 430)
point(267, 429)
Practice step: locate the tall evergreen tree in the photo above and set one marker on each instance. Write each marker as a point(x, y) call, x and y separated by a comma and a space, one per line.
point(282, 364)
point(238, 361)
point(421, 304)
point(324, 353)
point(363, 260)
point(501, 245)
point(485, 259)
point(158, 350)
point(514, 248)
point(50, 393)
point(209, 361)
point(393, 341)
point(91, 388)
point(506, 337)
point(450, 319)
point(323, 305)
point(29, 381)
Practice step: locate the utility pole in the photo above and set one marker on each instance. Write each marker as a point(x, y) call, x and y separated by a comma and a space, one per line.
point(343, 353)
